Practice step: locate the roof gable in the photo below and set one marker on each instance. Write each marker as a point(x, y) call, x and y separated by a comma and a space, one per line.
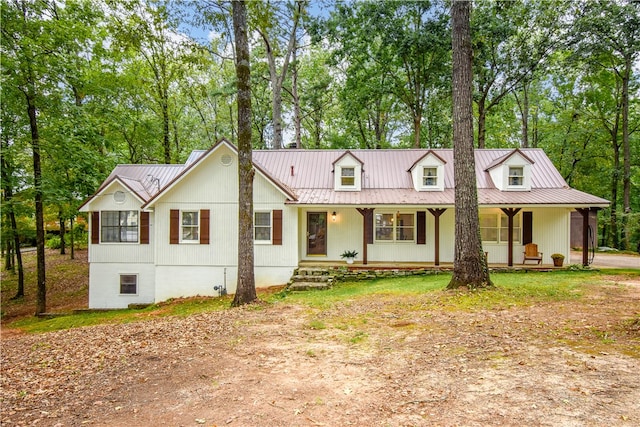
point(503, 159)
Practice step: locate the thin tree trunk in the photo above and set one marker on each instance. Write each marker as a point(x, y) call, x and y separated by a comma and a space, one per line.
point(72, 240)
point(469, 266)
point(16, 244)
point(246, 288)
point(297, 116)
point(482, 123)
point(62, 234)
point(41, 299)
point(417, 121)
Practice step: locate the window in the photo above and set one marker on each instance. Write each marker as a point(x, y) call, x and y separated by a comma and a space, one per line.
point(395, 227)
point(119, 226)
point(128, 284)
point(190, 226)
point(430, 176)
point(262, 227)
point(516, 176)
point(347, 176)
point(495, 228)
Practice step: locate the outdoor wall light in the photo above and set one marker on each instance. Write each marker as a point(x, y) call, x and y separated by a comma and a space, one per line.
point(333, 216)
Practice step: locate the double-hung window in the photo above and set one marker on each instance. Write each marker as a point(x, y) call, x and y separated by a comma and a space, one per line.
point(262, 227)
point(399, 227)
point(128, 284)
point(190, 226)
point(348, 176)
point(119, 226)
point(516, 176)
point(495, 228)
point(430, 176)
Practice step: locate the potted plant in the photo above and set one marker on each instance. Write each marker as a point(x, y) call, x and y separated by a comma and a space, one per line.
point(349, 256)
point(558, 259)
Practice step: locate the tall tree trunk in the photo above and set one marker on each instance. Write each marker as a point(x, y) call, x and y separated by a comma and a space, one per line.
point(246, 288)
point(470, 265)
point(41, 299)
point(166, 141)
point(615, 180)
point(626, 153)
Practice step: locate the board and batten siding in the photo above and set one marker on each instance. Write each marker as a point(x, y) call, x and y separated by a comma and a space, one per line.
point(195, 268)
point(550, 231)
point(126, 253)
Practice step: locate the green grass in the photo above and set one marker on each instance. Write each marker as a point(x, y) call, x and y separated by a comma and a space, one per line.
point(413, 293)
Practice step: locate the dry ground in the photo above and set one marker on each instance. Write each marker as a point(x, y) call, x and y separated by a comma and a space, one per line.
point(384, 362)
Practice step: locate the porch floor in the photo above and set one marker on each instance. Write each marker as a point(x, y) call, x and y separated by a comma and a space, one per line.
point(419, 265)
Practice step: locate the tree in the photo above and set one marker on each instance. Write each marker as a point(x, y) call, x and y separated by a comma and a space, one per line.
point(246, 288)
point(608, 38)
point(511, 41)
point(278, 42)
point(469, 265)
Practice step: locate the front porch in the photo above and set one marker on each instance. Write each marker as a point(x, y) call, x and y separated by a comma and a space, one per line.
point(410, 266)
point(322, 274)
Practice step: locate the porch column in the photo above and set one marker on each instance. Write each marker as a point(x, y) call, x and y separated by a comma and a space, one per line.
point(510, 212)
point(436, 212)
point(367, 230)
point(585, 234)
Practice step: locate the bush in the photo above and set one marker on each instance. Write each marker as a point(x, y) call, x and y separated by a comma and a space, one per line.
point(53, 242)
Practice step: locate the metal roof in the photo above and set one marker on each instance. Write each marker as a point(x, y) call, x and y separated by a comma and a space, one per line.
point(307, 176)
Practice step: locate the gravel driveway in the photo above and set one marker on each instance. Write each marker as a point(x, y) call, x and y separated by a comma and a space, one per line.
point(604, 260)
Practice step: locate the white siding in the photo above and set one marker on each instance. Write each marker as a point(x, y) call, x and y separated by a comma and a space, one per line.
point(550, 231)
point(104, 284)
point(121, 252)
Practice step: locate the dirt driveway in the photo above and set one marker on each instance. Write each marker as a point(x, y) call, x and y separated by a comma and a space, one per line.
point(387, 361)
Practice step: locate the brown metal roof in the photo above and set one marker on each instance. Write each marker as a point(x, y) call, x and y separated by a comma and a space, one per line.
point(306, 177)
point(386, 179)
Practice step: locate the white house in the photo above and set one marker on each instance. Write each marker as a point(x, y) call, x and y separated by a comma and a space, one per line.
point(165, 231)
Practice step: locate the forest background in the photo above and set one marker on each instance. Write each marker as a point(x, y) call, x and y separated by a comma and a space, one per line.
point(87, 85)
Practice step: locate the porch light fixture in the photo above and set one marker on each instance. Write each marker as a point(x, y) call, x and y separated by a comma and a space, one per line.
point(333, 216)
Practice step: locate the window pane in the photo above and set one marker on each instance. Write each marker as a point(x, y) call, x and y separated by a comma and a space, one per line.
point(119, 226)
point(128, 284)
point(263, 218)
point(263, 233)
point(190, 218)
point(347, 176)
point(489, 234)
point(384, 226)
point(430, 176)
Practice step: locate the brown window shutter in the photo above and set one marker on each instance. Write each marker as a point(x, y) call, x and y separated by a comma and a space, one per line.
point(95, 228)
point(204, 226)
point(174, 227)
point(527, 227)
point(421, 232)
point(144, 228)
point(277, 227)
point(368, 226)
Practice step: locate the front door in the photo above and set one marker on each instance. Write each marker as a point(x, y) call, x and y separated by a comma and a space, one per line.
point(316, 233)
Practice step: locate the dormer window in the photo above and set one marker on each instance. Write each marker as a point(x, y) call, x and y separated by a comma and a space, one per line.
point(427, 173)
point(347, 176)
point(347, 173)
point(430, 176)
point(511, 172)
point(516, 176)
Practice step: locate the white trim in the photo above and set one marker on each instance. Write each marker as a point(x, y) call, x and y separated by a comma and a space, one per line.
point(263, 242)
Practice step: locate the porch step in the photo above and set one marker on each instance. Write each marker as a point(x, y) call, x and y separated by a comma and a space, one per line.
point(310, 278)
point(309, 286)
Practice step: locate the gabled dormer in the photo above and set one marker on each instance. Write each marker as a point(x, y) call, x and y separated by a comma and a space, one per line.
point(427, 172)
point(511, 172)
point(347, 173)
